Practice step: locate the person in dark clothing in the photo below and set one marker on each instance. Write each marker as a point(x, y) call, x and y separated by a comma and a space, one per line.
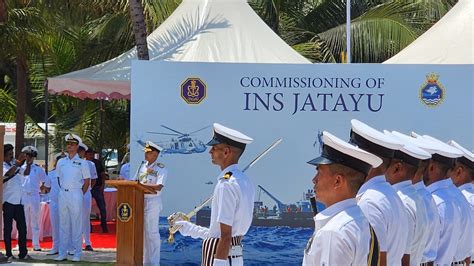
point(12, 204)
point(98, 189)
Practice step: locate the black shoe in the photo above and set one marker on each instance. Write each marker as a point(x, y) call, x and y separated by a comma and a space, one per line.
point(11, 257)
point(37, 249)
point(3, 258)
point(89, 248)
point(27, 257)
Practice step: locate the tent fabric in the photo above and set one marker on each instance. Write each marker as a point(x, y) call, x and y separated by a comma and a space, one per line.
point(197, 31)
point(449, 41)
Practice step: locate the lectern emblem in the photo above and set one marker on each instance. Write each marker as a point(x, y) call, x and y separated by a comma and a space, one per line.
point(193, 90)
point(124, 212)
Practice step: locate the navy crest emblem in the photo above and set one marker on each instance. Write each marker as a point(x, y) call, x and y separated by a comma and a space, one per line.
point(124, 212)
point(432, 93)
point(193, 90)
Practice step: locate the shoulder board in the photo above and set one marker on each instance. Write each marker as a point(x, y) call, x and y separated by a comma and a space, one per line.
point(37, 164)
point(227, 175)
point(161, 165)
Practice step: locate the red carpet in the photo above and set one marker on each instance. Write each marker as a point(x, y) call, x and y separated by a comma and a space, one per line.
point(98, 239)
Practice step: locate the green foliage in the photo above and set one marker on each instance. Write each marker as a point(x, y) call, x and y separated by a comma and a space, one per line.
point(379, 28)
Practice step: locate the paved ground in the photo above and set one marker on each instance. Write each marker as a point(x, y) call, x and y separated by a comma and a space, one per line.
point(96, 257)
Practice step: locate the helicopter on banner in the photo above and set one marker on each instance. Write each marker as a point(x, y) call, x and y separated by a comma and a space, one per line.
point(181, 143)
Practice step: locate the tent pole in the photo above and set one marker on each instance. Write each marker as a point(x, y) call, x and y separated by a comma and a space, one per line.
point(348, 31)
point(46, 135)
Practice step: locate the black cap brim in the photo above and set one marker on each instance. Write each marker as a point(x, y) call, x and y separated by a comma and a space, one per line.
point(213, 142)
point(320, 160)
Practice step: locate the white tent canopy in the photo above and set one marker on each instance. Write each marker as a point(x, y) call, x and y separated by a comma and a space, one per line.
point(449, 41)
point(198, 31)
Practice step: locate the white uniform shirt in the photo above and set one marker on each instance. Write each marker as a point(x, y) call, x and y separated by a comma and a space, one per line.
point(157, 177)
point(125, 171)
point(465, 240)
point(417, 220)
point(52, 182)
point(12, 189)
point(72, 172)
point(385, 211)
point(32, 182)
point(232, 203)
point(93, 172)
point(449, 219)
point(341, 236)
point(468, 191)
point(434, 224)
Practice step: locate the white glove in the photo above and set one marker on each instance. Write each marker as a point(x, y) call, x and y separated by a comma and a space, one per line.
point(218, 262)
point(192, 230)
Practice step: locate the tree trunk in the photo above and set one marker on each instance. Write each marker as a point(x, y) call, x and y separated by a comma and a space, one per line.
point(3, 12)
point(139, 28)
point(22, 77)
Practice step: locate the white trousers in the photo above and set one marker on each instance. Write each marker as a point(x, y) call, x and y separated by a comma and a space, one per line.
point(86, 217)
point(152, 241)
point(70, 221)
point(54, 217)
point(31, 202)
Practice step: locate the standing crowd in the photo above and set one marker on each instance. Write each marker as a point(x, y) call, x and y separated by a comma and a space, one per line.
point(74, 180)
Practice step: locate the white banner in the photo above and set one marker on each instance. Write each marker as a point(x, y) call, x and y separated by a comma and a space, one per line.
point(175, 104)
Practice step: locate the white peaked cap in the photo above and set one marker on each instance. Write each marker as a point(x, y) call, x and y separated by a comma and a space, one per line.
point(409, 152)
point(149, 146)
point(372, 140)
point(467, 158)
point(29, 148)
point(84, 146)
point(229, 136)
point(335, 150)
point(73, 137)
point(442, 148)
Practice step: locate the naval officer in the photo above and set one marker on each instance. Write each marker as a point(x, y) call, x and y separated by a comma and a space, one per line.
point(462, 176)
point(86, 203)
point(435, 178)
point(342, 234)
point(399, 174)
point(378, 200)
point(31, 197)
point(463, 251)
point(74, 179)
point(433, 228)
point(232, 203)
point(152, 174)
point(53, 186)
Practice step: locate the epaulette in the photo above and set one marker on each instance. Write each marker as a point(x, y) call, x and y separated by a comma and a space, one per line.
point(227, 175)
point(37, 164)
point(161, 165)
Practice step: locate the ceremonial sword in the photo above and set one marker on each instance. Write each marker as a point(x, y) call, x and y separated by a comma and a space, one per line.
point(174, 228)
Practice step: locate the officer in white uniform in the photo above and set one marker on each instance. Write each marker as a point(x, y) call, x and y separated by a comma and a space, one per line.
point(152, 174)
point(86, 204)
point(31, 194)
point(435, 178)
point(342, 234)
point(462, 176)
point(463, 251)
point(232, 203)
point(53, 185)
point(74, 179)
point(403, 167)
point(433, 229)
point(378, 200)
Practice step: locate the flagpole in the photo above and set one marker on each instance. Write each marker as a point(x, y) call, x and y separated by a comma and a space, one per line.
point(348, 31)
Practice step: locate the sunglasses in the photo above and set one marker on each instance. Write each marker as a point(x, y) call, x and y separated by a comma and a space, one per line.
point(70, 142)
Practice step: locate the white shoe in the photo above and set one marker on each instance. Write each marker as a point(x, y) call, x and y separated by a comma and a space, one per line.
point(52, 252)
point(60, 258)
point(76, 259)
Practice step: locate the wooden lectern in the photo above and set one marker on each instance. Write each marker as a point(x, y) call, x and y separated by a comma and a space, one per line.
point(130, 211)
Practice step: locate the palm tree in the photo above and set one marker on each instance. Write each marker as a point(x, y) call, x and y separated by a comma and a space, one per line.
point(3, 12)
point(379, 28)
point(21, 38)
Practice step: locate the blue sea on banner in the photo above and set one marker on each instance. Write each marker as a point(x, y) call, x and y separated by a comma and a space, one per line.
point(262, 246)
